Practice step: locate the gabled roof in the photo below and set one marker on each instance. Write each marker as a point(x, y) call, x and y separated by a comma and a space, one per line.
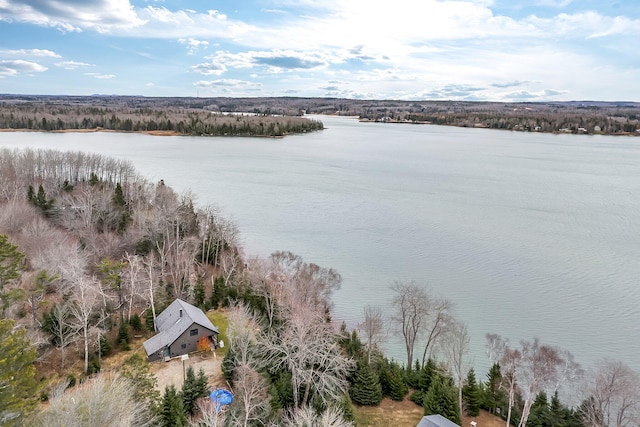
point(173, 321)
point(436, 421)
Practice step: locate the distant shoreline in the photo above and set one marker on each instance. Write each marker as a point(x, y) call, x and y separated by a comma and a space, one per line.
point(143, 132)
point(482, 126)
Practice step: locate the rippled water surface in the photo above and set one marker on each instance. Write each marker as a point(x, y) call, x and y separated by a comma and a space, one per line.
point(529, 235)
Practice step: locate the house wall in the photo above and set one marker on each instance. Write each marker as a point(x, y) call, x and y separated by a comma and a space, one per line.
point(155, 356)
point(187, 343)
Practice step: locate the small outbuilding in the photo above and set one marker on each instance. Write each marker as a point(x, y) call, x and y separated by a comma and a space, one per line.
point(436, 421)
point(180, 326)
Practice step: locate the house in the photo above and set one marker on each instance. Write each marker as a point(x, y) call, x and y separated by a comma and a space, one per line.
point(436, 421)
point(179, 327)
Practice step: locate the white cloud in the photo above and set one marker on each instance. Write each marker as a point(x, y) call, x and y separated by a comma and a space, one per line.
point(228, 83)
point(72, 65)
point(193, 44)
point(15, 67)
point(73, 15)
point(554, 3)
point(100, 75)
point(272, 60)
point(29, 52)
point(213, 68)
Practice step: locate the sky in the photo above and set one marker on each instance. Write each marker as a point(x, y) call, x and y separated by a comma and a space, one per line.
point(476, 50)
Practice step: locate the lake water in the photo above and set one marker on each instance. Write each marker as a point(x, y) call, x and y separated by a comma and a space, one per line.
point(530, 235)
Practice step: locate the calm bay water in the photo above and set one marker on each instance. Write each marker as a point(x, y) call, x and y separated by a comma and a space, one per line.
point(530, 235)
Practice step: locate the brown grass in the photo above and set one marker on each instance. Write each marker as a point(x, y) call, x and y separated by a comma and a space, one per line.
point(389, 413)
point(408, 414)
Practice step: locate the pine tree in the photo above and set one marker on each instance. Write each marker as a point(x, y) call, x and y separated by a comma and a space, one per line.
point(11, 264)
point(392, 380)
point(540, 415)
point(172, 413)
point(18, 387)
point(137, 370)
point(366, 389)
point(193, 389)
point(471, 394)
point(442, 399)
point(104, 346)
point(426, 375)
point(123, 336)
point(31, 195)
point(493, 397)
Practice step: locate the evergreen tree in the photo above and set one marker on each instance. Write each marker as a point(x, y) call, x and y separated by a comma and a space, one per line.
point(540, 415)
point(93, 179)
point(471, 394)
point(366, 389)
point(392, 380)
point(135, 323)
point(11, 264)
point(426, 375)
point(18, 387)
point(172, 413)
point(350, 342)
point(137, 370)
point(492, 396)
point(346, 408)
point(193, 389)
point(442, 399)
point(118, 199)
point(123, 336)
point(31, 195)
point(229, 364)
point(104, 346)
point(218, 292)
point(199, 296)
point(120, 205)
point(41, 201)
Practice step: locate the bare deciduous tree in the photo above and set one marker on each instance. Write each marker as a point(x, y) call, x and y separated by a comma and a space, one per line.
point(251, 396)
point(437, 321)
point(410, 303)
point(63, 330)
point(538, 371)
point(455, 348)
point(100, 401)
point(134, 281)
point(533, 368)
point(307, 417)
point(84, 308)
point(611, 396)
point(509, 361)
point(209, 415)
point(372, 327)
point(306, 284)
point(307, 347)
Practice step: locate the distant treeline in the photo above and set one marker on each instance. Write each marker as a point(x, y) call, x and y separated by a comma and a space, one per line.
point(53, 117)
point(280, 115)
point(530, 118)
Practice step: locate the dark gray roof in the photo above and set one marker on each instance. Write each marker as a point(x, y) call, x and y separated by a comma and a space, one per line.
point(171, 324)
point(436, 421)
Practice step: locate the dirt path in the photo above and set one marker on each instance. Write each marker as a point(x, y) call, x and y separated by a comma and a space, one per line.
point(172, 372)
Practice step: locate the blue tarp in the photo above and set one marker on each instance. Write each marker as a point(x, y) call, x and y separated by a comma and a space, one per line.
point(221, 397)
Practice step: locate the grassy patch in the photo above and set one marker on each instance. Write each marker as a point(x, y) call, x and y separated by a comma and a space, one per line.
point(219, 320)
point(388, 413)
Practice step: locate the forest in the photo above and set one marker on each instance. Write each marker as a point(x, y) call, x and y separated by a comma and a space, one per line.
point(91, 252)
point(282, 115)
point(64, 114)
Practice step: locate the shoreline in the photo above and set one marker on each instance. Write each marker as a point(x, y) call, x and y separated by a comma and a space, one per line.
point(147, 132)
point(482, 126)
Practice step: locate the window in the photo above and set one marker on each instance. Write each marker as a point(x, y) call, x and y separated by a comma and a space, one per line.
point(183, 346)
point(193, 332)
